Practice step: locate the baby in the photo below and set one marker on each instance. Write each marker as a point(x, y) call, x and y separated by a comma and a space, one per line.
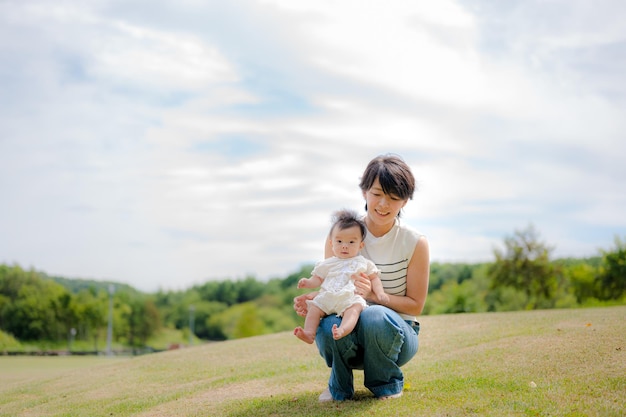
point(334, 277)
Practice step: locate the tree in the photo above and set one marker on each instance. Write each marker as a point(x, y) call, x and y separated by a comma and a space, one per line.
point(150, 321)
point(93, 313)
point(66, 315)
point(248, 323)
point(141, 318)
point(203, 311)
point(525, 265)
point(249, 289)
point(31, 314)
point(582, 278)
point(612, 279)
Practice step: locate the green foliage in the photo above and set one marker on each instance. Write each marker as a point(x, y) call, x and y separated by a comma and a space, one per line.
point(582, 279)
point(456, 288)
point(249, 322)
point(78, 285)
point(253, 318)
point(139, 317)
point(443, 273)
point(92, 310)
point(292, 280)
point(612, 279)
point(8, 342)
point(459, 288)
point(34, 307)
point(525, 265)
point(54, 311)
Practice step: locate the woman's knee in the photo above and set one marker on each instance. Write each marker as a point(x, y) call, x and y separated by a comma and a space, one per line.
point(386, 331)
point(376, 316)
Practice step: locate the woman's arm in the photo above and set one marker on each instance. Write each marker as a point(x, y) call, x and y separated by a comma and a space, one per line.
point(417, 277)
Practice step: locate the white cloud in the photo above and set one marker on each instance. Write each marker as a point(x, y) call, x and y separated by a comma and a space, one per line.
point(158, 60)
point(407, 57)
point(162, 150)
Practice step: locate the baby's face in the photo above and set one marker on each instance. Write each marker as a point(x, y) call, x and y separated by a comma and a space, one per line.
point(346, 243)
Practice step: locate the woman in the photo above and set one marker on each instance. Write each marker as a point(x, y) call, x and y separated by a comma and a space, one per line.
point(385, 337)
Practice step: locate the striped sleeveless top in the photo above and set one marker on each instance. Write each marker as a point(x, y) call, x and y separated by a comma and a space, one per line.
point(391, 253)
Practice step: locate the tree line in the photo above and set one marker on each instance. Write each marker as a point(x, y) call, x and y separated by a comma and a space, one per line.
point(524, 276)
point(40, 310)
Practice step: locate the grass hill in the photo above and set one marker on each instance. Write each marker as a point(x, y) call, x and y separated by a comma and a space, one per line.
point(536, 363)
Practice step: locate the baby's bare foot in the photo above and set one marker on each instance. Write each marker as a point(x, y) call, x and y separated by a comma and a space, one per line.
point(304, 336)
point(338, 333)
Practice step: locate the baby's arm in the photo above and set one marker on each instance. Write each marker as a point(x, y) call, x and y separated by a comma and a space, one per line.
point(377, 288)
point(313, 282)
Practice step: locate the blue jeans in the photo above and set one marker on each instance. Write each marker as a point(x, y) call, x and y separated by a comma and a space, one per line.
point(379, 345)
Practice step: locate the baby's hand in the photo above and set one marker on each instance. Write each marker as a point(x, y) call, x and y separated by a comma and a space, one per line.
point(303, 283)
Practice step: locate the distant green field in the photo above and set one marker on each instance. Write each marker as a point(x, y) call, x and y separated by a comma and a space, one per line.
point(537, 363)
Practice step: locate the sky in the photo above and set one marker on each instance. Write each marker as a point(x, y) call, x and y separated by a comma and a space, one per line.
point(163, 144)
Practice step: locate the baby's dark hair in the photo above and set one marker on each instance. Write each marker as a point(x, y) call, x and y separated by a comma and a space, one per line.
point(344, 219)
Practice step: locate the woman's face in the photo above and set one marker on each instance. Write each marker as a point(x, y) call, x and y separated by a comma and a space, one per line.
point(382, 208)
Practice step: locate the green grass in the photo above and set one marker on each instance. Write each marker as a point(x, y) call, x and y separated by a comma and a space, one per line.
point(538, 363)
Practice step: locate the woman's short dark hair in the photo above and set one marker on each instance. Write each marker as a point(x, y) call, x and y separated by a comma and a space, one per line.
point(394, 175)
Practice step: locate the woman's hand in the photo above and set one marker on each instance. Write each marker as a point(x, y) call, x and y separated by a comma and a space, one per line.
point(300, 305)
point(362, 284)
